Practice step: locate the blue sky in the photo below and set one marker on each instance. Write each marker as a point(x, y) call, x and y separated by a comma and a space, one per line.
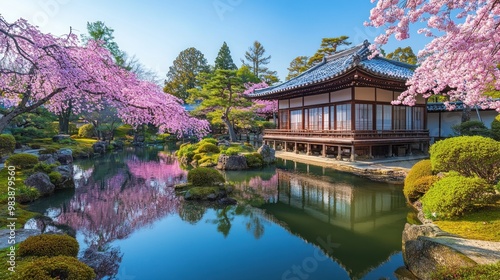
point(156, 31)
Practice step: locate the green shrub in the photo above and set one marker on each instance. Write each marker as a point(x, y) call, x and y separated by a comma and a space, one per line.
point(232, 151)
point(454, 195)
point(254, 160)
point(60, 267)
point(47, 151)
point(468, 155)
point(477, 272)
point(43, 167)
point(123, 131)
point(22, 160)
point(55, 177)
point(67, 141)
point(203, 176)
point(471, 128)
point(25, 194)
point(421, 169)
point(7, 144)
point(49, 245)
point(35, 146)
point(495, 128)
point(208, 148)
point(86, 131)
point(197, 157)
point(209, 140)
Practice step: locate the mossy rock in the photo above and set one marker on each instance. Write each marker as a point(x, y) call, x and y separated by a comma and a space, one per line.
point(49, 245)
point(23, 161)
point(205, 193)
point(203, 176)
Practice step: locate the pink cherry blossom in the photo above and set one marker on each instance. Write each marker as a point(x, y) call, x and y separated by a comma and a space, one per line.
point(462, 59)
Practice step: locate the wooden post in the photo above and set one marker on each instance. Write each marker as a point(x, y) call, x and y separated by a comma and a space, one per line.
point(295, 148)
point(286, 147)
point(352, 153)
point(339, 154)
point(308, 151)
point(390, 150)
point(370, 151)
point(324, 151)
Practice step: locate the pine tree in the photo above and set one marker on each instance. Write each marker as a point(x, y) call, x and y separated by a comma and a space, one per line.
point(224, 61)
point(328, 47)
point(255, 61)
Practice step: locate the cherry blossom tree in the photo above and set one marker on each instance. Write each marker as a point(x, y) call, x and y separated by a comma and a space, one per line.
point(462, 59)
point(264, 107)
point(41, 69)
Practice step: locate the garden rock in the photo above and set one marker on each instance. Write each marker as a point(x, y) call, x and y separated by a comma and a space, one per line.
point(47, 158)
point(267, 153)
point(117, 144)
point(41, 182)
point(100, 147)
point(45, 225)
point(235, 162)
point(60, 137)
point(66, 176)
point(65, 156)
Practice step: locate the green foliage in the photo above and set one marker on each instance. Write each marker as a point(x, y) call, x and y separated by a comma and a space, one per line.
point(232, 151)
point(256, 59)
point(49, 245)
point(254, 160)
point(7, 144)
point(182, 75)
point(411, 189)
point(86, 131)
point(123, 131)
point(468, 155)
point(208, 148)
point(404, 55)
point(495, 128)
point(60, 267)
point(25, 194)
point(35, 146)
point(477, 272)
point(203, 176)
point(55, 177)
point(22, 161)
point(328, 47)
point(297, 66)
point(202, 192)
point(454, 195)
point(43, 167)
point(209, 140)
point(471, 128)
point(224, 60)
point(99, 31)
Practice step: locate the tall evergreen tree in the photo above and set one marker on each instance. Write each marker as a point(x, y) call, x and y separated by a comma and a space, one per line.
point(297, 66)
point(181, 76)
point(224, 60)
point(328, 47)
point(256, 59)
point(99, 31)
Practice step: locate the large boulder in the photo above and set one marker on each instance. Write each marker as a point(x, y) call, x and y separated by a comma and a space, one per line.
point(267, 153)
point(47, 158)
point(41, 182)
point(235, 162)
point(66, 172)
point(100, 147)
point(65, 156)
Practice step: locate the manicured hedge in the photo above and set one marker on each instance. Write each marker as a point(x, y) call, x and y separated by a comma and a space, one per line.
point(254, 160)
point(468, 155)
point(7, 144)
point(49, 245)
point(59, 267)
point(412, 188)
point(86, 131)
point(208, 148)
point(454, 195)
point(203, 176)
point(22, 160)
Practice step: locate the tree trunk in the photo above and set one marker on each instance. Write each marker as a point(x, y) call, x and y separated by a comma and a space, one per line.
point(64, 117)
point(466, 112)
point(5, 120)
point(230, 129)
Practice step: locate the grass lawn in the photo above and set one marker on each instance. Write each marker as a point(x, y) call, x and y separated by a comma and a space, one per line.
point(21, 214)
point(483, 224)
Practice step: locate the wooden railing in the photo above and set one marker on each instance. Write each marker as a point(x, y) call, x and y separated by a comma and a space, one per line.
point(348, 134)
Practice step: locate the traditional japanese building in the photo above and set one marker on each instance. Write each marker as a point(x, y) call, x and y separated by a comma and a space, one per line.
point(342, 107)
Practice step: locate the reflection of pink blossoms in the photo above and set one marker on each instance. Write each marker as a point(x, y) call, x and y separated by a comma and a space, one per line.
point(110, 210)
point(267, 189)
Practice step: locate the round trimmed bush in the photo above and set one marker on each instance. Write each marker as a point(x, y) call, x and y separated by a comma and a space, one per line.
point(421, 169)
point(60, 267)
point(454, 195)
point(232, 151)
point(49, 245)
point(203, 176)
point(208, 148)
point(7, 144)
point(468, 155)
point(209, 140)
point(254, 160)
point(22, 160)
point(86, 131)
point(47, 151)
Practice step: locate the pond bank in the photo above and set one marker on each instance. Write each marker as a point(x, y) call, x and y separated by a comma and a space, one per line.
point(391, 170)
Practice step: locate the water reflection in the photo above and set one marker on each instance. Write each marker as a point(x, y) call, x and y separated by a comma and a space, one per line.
point(355, 222)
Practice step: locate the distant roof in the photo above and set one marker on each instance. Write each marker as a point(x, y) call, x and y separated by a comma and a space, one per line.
point(340, 63)
point(458, 106)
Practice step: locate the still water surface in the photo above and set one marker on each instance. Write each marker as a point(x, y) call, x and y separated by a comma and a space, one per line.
point(296, 222)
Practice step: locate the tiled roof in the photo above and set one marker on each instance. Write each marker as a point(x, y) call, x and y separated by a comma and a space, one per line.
point(440, 107)
point(340, 63)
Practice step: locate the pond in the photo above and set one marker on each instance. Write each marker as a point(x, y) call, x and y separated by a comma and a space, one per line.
point(296, 221)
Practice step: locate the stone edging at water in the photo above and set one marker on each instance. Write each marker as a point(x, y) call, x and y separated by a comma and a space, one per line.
point(426, 247)
point(392, 170)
